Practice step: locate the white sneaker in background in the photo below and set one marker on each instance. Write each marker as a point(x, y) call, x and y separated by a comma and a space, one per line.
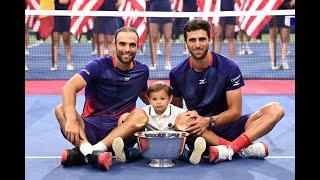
point(159, 52)
point(26, 68)
point(199, 147)
point(153, 68)
point(248, 51)
point(242, 52)
point(26, 52)
point(220, 153)
point(274, 66)
point(95, 52)
point(89, 41)
point(70, 67)
point(255, 150)
point(285, 65)
point(167, 66)
point(54, 68)
point(258, 41)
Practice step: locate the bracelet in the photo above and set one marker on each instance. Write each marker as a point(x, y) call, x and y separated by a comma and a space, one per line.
point(212, 121)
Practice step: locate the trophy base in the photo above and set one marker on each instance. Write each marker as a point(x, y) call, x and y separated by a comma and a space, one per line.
point(161, 163)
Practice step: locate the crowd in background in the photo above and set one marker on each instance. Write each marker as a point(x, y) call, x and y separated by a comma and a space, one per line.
point(167, 30)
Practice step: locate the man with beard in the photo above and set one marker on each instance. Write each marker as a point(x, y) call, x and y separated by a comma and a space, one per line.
point(112, 86)
point(211, 85)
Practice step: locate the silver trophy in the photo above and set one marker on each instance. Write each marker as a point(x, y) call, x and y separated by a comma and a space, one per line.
point(161, 147)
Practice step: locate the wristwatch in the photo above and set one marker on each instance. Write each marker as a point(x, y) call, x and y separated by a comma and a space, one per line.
point(212, 121)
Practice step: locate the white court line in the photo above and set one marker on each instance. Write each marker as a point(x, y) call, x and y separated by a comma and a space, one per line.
point(58, 157)
point(280, 157)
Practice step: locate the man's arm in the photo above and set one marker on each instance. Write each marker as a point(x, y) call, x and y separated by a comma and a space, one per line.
point(234, 111)
point(69, 91)
point(144, 98)
point(177, 101)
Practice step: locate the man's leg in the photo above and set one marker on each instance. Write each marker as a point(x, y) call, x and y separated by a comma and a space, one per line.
point(124, 152)
point(258, 124)
point(136, 121)
point(84, 151)
point(262, 122)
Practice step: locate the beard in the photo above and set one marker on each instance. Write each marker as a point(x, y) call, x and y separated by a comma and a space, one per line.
point(124, 60)
point(199, 56)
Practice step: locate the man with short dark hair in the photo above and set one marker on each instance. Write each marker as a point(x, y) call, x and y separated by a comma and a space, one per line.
point(112, 86)
point(211, 85)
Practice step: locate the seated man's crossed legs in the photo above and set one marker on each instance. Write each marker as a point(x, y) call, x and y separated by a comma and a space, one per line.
point(93, 137)
point(238, 137)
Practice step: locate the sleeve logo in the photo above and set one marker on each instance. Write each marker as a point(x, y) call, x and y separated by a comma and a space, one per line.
point(236, 80)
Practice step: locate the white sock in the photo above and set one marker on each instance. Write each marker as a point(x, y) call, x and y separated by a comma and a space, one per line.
point(86, 148)
point(100, 146)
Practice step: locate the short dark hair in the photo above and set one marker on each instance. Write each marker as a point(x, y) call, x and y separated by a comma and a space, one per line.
point(126, 29)
point(158, 86)
point(196, 24)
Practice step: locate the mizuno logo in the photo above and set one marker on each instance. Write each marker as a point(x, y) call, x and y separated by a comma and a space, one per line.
point(203, 81)
point(127, 78)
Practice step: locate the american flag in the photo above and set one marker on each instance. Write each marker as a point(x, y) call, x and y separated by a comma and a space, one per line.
point(33, 21)
point(252, 25)
point(177, 5)
point(140, 23)
point(81, 24)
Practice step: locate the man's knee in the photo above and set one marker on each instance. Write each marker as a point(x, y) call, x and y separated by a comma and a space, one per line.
point(275, 110)
point(58, 110)
point(139, 118)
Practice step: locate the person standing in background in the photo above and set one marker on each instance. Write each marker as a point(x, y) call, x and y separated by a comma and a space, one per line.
point(227, 25)
point(276, 24)
point(105, 27)
point(154, 25)
point(61, 27)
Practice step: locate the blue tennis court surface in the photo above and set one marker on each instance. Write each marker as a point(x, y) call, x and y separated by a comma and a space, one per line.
point(44, 143)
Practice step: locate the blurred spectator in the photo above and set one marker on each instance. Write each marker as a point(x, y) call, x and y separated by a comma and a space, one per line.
point(188, 6)
point(26, 40)
point(154, 25)
point(61, 27)
point(105, 28)
point(277, 23)
point(244, 41)
point(226, 24)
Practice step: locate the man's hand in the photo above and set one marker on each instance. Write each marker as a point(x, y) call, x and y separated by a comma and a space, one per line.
point(72, 130)
point(123, 118)
point(192, 114)
point(198, 126)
